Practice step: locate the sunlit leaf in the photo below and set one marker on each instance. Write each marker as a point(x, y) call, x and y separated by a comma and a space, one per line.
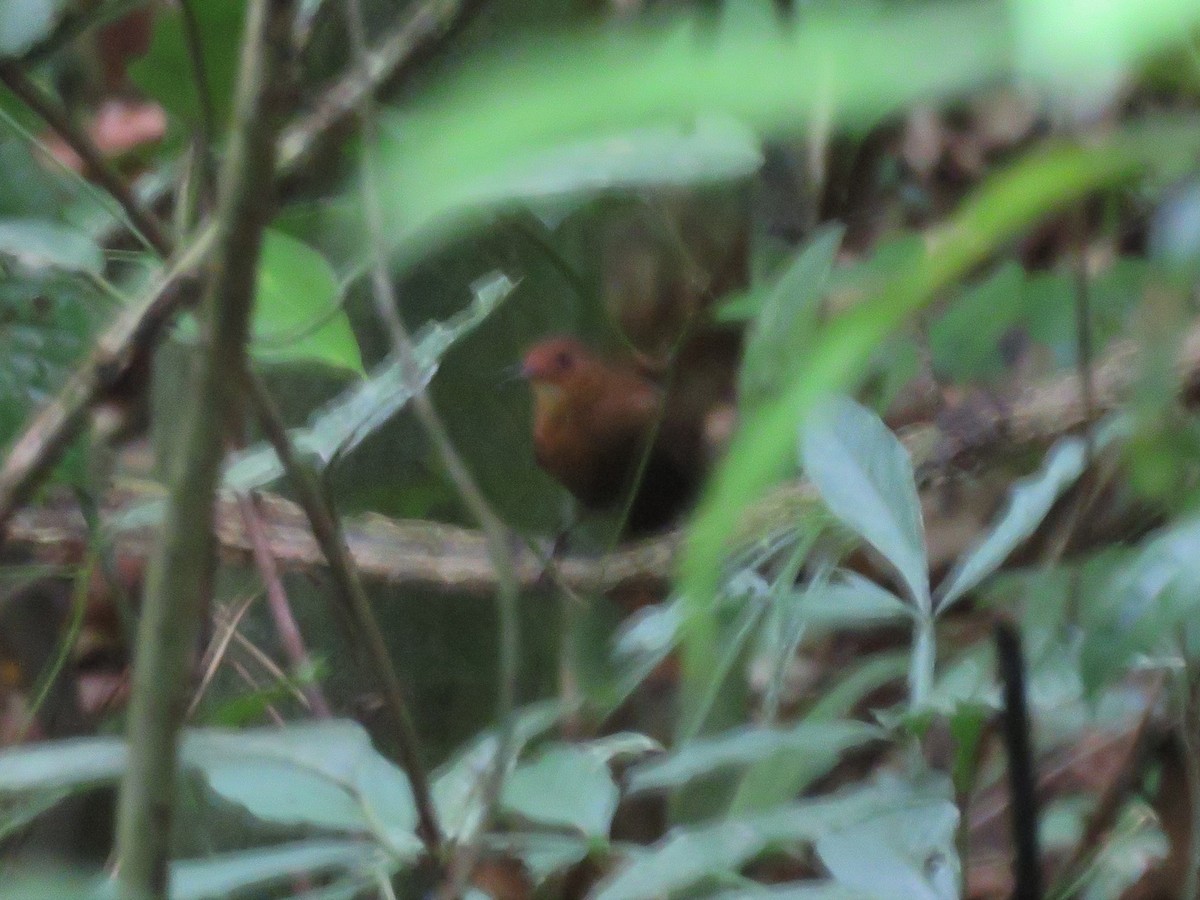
point(296, 312)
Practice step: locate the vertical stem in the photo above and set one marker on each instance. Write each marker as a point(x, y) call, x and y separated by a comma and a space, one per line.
point(180, 575)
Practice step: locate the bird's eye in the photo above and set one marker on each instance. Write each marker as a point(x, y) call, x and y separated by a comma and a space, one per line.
point(563, 361)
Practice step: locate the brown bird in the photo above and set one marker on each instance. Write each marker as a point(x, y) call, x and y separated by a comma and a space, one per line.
point(593, 423)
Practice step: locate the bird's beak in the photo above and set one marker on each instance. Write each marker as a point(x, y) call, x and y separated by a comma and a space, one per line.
point(509, 374)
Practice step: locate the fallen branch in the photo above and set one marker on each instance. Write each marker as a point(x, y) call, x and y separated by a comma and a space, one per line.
point(447, 557)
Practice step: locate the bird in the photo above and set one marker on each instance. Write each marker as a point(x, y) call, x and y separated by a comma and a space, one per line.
point(594, 422)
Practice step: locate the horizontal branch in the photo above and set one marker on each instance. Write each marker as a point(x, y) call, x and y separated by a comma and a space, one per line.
point(447, 557)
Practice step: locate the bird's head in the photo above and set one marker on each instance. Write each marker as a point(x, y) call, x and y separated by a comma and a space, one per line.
point(558, 367)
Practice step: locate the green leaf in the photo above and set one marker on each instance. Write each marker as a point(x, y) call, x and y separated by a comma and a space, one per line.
point(165, 72)
point(25, 22)
point(456, 786)
point(297, 314)
point(848, 600)
point(1043, 181)
point(965, 340)
point(566, 787)
point(73, 764)
point(820, 743)
point(714, 148)
point(687, 856)
point(543, 854)
point(1030, 499)
point(227, 873)
point(35, 245)
point(785, 325)
point(344, 423)
point(902, 853)
point(324, 775)
point(865, 477)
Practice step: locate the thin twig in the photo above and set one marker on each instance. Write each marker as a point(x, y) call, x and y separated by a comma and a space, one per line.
point(424, 26)
point(216, 651)
point(388, 309)
point(286, 627)
point(180, 575)
point(327, 532)
point(49, 110)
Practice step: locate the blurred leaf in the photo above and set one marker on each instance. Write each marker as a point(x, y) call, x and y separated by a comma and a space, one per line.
point(25, 22)
point(965, 341)
point(849, 600)
point(1004, 204)
point(576, 89)
point(342, 424)
point(1135, 845)
point(714, 149)
point(865, 477)
point(323, 774)
point(297, 314)
point(543, 854)
point(904, 853)
point(46, 326)
point(73, 764)
point(687, 856)
point(1143, 605)
point(456, 786)
point(165, 71)
point(819, 743)
point(781, 333)
point(1030, 499)
point(35, 244)
point(565, 787)
point(228, 873)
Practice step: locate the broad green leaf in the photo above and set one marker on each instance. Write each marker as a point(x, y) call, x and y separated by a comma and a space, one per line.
point(457, 785)
point(865, 477)
point(905, 853)
point(820, 743)
point(565, 787)
point(1029, 501)
point(35, 244)
point(324, 775)
point(297, 315)
point(228, 873)
point(781, 332)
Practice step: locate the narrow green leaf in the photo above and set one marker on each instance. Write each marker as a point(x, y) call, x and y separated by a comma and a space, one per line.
point(786, 324)
point(227, 873)
point(744, 746)
point(72, 764)
point(1030, 499)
